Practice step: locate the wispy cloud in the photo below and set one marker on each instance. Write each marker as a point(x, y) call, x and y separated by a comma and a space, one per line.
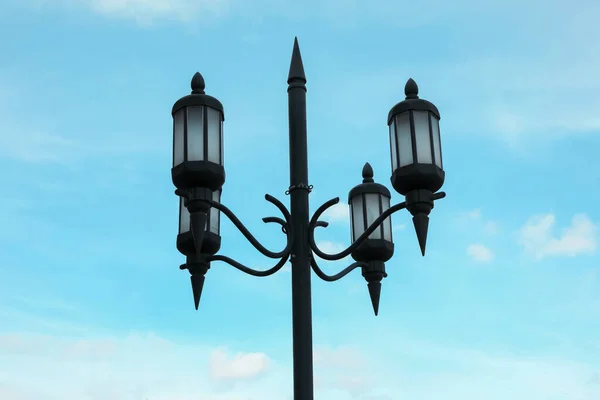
point(479, 253)
point(338, 357)
point(328, 246)
point(339, 213)
point(398, 227)
point(24, 141)
point(145, 12)
point(139, 365)
point(474, 219)
point(538, 239)
point(238, 366)
point(124, 367)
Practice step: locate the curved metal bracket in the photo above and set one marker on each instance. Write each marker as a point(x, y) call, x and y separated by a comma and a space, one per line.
point(339, 275)
point(284, 224)
point(257, 245)
point(338, 256)
point(249, 270)
point(277, 220)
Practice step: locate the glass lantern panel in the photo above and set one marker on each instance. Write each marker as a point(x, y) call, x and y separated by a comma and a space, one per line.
point(437, 148)
point(403, 139)
point(221, 141)
point(387, 223)
point(358, 221)
point(195, 133)
point(184, 217)
point(373, 212)
point(393, 147)
point(422, 138)
point(178, 145)
point(215, 214)
point(351, 223)
point(213, 120)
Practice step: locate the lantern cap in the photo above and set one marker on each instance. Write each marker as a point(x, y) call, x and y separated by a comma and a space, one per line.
point(198, 84)
point(368, 185)
point(198, 97)
point(411, 89)
point(412, 102)
point(367, 173)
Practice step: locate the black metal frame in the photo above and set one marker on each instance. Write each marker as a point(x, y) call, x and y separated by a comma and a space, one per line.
point(299, 229)
point(288, 230)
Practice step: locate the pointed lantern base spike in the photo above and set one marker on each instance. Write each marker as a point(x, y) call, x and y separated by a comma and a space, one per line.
point(375, 293)
point(197, 285)
point(198, 226)
point(421, 223)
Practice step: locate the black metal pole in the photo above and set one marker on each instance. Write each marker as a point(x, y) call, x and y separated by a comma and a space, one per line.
point(300, 257)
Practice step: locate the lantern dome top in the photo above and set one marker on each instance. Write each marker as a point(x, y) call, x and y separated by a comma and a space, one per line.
point(368, 185)
point(412, 102)
point(198, 97)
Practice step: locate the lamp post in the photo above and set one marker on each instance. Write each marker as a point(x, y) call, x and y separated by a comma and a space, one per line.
point(199, 175)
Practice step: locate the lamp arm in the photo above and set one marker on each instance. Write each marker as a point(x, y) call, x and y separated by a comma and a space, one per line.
point(257, 245)
point(249, 270)
point(339, 275)
point(338, 256)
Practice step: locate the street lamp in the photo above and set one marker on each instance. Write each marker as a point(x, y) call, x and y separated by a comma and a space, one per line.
point(199, 175)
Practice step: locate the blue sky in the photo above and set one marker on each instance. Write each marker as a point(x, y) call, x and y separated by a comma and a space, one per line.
point(506, 304)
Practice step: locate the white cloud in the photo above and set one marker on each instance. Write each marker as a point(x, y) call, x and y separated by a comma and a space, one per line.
point(337, 357)
point(490, 228)
point(27, 144)
point(240, 366)
point(356, 385)
point(147, 11)
point(470, 373)
point(131, 368)
point(398, 227)
point(538, 240)
point(140, 366)
point(338, 213)
point(342, 368)
point(38, 147)
point(474, 214)
point(330, 247)
point(475, 218)
point(518, 94)
point(479, 253)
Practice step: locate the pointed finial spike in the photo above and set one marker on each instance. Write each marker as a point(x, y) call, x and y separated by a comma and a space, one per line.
point(367, 173)
point(197, 84)
point(411, 90)
point(375, 294)
point(197, 285)
point(421, 223)
point(296, 65)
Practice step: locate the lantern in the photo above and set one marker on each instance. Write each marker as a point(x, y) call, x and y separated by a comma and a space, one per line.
point(367, 202)
point(415, 144)
point(198, 140)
